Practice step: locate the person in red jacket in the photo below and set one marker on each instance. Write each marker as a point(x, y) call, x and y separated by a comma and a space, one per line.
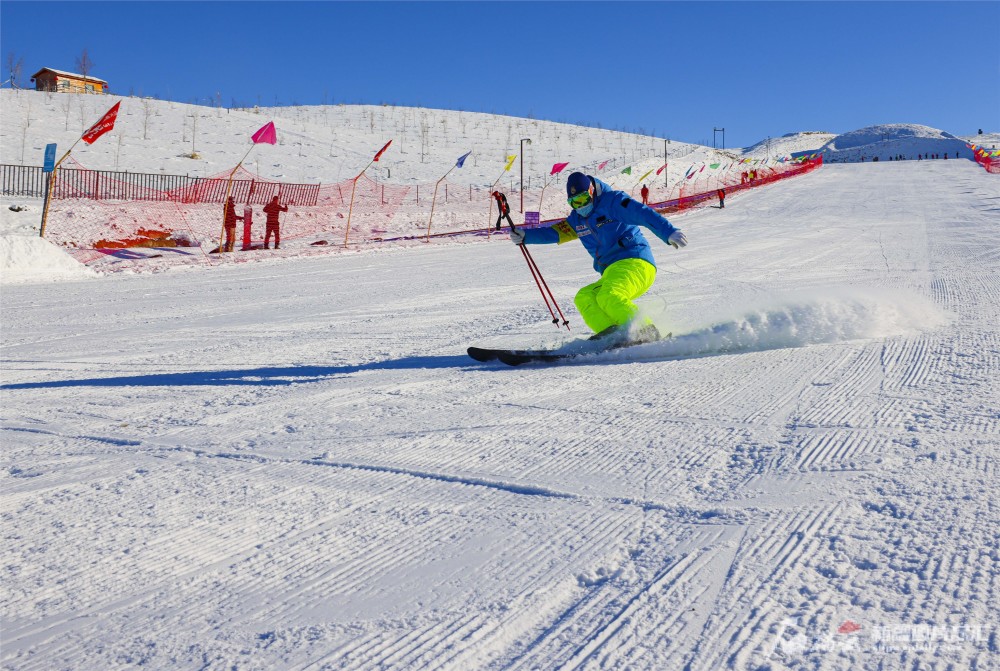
point(272, 210)
point(229, 224)
point(645, 194)
point(504, 208)
point(721, 193)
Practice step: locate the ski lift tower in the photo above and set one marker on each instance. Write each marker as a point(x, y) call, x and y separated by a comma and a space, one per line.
point(718, 130)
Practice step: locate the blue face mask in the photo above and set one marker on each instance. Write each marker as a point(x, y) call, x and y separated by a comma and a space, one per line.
point(586, 209)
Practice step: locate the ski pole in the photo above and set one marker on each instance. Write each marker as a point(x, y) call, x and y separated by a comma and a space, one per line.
point(540, 282)
point(534, 276)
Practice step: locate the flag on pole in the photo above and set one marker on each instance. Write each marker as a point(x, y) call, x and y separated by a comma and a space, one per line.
point(461, 159)
point(627, 171)
point(645, 176)
point(510, 161)
point(601, 166)
point(381, 151)
point(106, 123)
point(661, 168)
point(266, 135)
point(558, 168)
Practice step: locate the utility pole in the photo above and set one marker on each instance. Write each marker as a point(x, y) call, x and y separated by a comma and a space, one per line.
point(523, 140)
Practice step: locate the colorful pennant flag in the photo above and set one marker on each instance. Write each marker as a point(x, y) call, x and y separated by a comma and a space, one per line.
point(106, 123)
point(510, 161)
point(461, 159)
point(661, 168)
point(601, 166)
point(381, 151)
point(266, 135)
point(627, 171)
point(558, 168)
point(646, 175)
point(714, 166)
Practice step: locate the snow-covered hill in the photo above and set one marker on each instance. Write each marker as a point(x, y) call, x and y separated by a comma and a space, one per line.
point(890, 140)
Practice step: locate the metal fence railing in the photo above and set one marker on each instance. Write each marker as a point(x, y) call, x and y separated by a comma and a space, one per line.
point(29, 181)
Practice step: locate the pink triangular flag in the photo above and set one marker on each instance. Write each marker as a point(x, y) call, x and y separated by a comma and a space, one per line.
point(557, 168)
point(265, 135)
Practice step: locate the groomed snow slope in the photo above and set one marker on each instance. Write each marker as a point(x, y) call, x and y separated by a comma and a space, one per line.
point(293, 465)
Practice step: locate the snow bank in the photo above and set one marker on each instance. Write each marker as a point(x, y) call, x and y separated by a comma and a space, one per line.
point(32, 259)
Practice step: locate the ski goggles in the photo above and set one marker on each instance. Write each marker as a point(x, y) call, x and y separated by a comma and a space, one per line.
point(580, 200)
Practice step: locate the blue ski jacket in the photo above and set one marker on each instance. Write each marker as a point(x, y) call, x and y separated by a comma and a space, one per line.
point(611, 232)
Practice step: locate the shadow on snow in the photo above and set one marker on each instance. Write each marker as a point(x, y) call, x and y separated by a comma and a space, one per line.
point(270, 376)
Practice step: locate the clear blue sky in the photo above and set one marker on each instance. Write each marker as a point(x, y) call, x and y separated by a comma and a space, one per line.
point(673, 69)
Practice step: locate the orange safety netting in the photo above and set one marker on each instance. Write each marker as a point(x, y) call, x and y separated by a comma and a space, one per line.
point(91, 212)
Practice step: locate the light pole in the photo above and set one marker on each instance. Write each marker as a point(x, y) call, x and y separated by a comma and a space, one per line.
point(665, 182)
point(523, 140)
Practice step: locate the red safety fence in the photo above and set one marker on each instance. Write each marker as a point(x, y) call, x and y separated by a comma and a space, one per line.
point(94, 214)
point(990, 163)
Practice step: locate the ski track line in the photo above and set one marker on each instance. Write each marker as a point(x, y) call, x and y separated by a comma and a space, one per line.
point(836, 449)
point(670, 577)
point(847, 402)
point(669, 621)
point(744, 609)
point(592, 611)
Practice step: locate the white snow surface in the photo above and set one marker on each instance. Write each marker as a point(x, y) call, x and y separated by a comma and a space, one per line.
point(291, 463)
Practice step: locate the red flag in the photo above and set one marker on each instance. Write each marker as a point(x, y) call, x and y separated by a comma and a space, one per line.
point(381, 151)
point(106, 123)
point(557, 168)
point(660, 169)
point(266, 134)
point(601, 166)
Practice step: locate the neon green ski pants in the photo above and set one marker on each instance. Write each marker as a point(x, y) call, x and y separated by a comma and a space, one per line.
point(608, 301)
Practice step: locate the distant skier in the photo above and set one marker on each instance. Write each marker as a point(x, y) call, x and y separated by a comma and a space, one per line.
point(607, 223)
point(645, 194)
point(503, 207)
point(271, 225)
point(721, 193)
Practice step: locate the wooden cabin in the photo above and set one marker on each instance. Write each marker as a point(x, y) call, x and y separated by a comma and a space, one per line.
point(48, 79)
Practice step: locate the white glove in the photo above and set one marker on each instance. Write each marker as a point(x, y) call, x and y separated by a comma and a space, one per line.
point(517, 236)
point(677, 239)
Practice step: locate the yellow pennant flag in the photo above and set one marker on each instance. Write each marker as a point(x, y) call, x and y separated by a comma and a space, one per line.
point(645, 176)
point(510, 161)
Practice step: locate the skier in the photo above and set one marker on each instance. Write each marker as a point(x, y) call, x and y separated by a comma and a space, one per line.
point(721, 193)
point(272, 210)
point(607, 223)
point(504, 208)
point(645, 194)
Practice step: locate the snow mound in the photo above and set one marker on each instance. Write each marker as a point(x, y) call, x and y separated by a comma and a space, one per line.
point(32, 259)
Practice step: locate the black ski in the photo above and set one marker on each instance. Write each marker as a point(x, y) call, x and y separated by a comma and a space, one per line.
point(485, 355)
point(518, 357)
